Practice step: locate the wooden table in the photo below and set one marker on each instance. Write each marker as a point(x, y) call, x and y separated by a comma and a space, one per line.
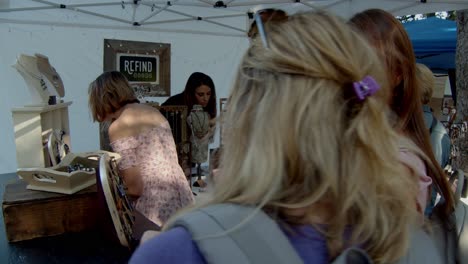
point(83, 247)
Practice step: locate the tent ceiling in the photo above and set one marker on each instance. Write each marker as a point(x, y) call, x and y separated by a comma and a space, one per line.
point(226, 17)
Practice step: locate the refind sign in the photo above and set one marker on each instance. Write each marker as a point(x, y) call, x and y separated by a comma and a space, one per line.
point(139, 68)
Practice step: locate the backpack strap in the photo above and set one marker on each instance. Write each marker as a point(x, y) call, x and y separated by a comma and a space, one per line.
point(232, 234)
point(353, 255)
point(216, 231)
point(421, 249)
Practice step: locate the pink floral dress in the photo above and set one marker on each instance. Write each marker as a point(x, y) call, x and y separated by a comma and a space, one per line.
point(165, 189)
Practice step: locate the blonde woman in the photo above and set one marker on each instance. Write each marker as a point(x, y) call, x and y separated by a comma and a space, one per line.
point(143, 138)
point(308, 142)
point(440, 140)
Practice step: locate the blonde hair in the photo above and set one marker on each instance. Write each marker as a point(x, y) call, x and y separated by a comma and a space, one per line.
point(108, 93)
point(296, 137)
point(426, 81)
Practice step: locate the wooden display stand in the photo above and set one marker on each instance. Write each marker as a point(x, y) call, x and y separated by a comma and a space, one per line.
point(32, 125)
point(30, 214)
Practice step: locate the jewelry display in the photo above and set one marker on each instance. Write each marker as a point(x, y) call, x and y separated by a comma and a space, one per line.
point(56, 146)
point(49, 74)
point(120, 207)
point(198, 121)
point(42, 79)
point(75, 172)
point(45, 142)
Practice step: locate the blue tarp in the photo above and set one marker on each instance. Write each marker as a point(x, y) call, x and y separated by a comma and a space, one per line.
point(434, 42)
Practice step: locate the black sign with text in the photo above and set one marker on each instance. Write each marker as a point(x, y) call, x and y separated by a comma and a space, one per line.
point(139, 68)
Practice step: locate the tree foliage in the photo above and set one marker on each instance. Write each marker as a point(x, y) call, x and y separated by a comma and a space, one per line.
point(451, 15)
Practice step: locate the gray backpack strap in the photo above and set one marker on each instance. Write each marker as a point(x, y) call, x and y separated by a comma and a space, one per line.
point(353, 255)
point(422, 249)
point(216, 231)
point(257, 240)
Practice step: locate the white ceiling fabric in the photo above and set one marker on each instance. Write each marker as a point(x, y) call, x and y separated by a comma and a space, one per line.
point(191, 16)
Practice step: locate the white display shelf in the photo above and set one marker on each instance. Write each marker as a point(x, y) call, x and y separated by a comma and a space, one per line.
point(32, 125)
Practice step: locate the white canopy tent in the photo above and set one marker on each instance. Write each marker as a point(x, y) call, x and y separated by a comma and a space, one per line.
point(192, 16)
point(205, 35)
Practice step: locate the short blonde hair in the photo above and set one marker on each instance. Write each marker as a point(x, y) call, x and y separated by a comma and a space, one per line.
point(108, 93)
point(296, 136)
point(426, 81)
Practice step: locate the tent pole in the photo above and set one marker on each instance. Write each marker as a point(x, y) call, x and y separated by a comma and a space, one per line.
point(100, 15)
point(207, 2)
point(54, 6)
point(83, 11)
point(224, 16)
point(223, 25)
point(169, 21)
point(148, 3)
point(104, 27)
point(154, 13)
point(265, 2)
point(135, 6)
point(26, 8)
point(192, 18)
point(96, 4)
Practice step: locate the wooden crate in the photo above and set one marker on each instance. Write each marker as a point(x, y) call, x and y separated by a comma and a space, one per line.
point(30, 214)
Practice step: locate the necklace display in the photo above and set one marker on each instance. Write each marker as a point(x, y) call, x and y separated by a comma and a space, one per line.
point(39, 77)
point(42, 80)
point(199, 124)
point(49, 74)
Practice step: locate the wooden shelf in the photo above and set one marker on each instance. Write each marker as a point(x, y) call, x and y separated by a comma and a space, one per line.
point(40, 108)
point(32, 126)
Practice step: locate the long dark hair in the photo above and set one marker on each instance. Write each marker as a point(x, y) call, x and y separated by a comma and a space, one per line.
point(195, 80)
point(392, 43)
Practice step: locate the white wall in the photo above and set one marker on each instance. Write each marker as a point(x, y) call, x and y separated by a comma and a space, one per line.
point(77, 54)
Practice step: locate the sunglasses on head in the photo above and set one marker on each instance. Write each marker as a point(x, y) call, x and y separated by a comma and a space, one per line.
point(263, 16)
point(261, 29)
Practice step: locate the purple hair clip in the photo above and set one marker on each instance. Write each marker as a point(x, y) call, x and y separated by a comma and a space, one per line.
point(366, 87)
